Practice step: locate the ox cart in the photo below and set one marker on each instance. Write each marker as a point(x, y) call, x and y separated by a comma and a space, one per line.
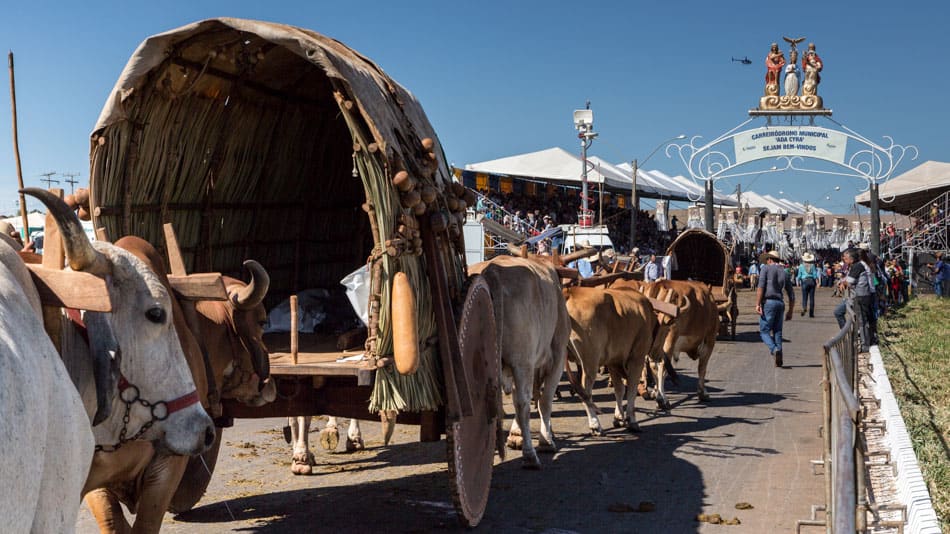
point(265, 141)
point(698, 255)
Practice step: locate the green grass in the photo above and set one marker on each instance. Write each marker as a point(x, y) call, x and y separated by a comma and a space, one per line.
point(915, 345)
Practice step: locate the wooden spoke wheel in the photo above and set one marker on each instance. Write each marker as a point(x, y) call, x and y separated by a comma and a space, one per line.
point(472, 439)
point(197, 476)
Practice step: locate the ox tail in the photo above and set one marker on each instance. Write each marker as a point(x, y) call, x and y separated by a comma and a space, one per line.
point(572, 377)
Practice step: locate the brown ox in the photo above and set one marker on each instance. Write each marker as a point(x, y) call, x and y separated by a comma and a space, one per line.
point(617, 329)
point(532, 330)
point(137, 474)
point(694, 331)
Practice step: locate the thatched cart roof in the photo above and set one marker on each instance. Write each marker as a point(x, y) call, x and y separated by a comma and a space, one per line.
point(267, 141)
point(699, 255)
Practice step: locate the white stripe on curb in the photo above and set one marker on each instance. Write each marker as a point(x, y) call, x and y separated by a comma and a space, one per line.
point(911, 488)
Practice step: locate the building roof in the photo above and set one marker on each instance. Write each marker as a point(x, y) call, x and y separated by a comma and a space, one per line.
point(913, 189)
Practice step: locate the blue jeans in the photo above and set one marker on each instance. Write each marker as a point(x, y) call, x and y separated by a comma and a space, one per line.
point(808, 296)
point(770, 324)
point(938, 288)
point(841, 312)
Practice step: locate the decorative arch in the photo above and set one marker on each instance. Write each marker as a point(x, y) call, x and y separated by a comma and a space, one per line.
point(792, 146)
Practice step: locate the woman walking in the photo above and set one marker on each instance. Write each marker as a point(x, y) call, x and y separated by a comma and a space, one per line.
point(808, 278)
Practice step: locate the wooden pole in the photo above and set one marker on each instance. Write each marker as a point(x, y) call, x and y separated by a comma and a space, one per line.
point(294, 324)
point(16, 152)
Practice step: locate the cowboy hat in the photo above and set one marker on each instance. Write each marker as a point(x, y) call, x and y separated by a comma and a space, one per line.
point(808, 257)
point(774, 255)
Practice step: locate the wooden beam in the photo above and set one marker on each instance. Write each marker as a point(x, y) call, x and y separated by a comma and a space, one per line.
point(54, 258)
point(70, 289)
point(200, 286)
point(175, 262)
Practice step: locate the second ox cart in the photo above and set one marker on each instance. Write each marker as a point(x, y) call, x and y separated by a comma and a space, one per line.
point(698, 255)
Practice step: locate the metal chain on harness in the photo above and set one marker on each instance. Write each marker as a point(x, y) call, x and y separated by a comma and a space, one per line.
point(158, 410)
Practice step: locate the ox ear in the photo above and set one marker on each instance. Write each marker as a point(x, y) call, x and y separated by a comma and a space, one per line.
point(106, 360)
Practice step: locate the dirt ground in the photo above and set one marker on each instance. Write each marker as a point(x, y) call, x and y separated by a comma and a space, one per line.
point(751, 443)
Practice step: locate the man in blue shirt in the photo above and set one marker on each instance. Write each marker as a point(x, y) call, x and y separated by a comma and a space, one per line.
point(942, 272)
point(753, 275)
point(653, 270)
point(770, 305)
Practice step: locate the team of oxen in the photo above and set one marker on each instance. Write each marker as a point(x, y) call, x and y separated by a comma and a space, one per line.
point(545, 319)
point(120, 410)
point(117, 407)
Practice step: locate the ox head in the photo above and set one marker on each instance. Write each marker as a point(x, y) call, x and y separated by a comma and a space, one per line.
point(233, 332)
point(137, 342)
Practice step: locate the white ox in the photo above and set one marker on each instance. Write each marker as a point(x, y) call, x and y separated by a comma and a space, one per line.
point(156, 399)
point(45, 435)
point(533, 329)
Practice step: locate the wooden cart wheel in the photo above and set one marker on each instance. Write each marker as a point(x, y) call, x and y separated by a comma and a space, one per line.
point(471, 440)
point(195, 481)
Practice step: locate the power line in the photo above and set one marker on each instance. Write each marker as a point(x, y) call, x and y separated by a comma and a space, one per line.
point(71, 180)
point(49, 181)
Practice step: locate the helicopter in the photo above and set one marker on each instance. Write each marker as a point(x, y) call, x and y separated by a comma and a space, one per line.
point(744, 61)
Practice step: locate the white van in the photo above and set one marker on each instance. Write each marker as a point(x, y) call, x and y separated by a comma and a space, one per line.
point(575, 235)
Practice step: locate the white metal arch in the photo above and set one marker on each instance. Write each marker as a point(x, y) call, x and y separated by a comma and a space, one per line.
point(861, 158)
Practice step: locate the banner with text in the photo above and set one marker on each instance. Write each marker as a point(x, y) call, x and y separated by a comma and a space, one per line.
point(805, 141)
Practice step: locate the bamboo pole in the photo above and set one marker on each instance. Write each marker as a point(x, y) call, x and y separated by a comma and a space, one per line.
point(16, 152)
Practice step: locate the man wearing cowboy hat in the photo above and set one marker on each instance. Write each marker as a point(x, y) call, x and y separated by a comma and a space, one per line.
point(770, 305)
point(808, 274)
point(583, 265)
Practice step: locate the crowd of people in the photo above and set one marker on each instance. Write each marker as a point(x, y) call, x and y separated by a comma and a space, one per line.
point(532, 214)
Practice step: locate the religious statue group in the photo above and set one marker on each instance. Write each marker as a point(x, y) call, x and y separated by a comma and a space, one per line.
point(775, 65)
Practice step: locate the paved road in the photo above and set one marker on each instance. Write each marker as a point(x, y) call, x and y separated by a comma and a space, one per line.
point(751, 443)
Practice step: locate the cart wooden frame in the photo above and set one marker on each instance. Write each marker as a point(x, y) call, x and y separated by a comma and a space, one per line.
point(266, 141)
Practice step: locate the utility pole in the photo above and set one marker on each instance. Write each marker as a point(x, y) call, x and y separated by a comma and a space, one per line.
point(634, 206)
point(49, 181)
point(71, 180)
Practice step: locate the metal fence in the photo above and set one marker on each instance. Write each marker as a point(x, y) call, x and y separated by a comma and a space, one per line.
point(844, 450)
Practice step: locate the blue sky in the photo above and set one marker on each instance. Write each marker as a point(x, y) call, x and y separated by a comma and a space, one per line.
point(502, 78)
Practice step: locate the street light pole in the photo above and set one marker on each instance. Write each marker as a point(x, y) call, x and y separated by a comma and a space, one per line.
point(875, 219)
point(634, 206)
point(584, 145)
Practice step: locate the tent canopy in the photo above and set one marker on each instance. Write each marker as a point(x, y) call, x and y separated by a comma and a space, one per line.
point(675, 188)
point(913, 189)
point(558, 165)
point(555, 164)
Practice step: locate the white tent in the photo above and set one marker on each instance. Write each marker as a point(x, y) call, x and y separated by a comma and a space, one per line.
point(554, 164)
point(913, 189)
point(752, 199)
point(676, 187)
point(37, 222)
point(35, 219)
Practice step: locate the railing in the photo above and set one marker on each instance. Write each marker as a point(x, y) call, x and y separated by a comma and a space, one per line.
point(844, 450)
point(932, 227)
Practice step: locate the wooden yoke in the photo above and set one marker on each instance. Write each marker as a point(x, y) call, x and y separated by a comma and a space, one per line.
point(193, 287)
point(190, 288)
point(54, 258)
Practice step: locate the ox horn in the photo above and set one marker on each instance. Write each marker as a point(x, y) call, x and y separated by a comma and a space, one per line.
point(79, 251)
point(253, 294)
